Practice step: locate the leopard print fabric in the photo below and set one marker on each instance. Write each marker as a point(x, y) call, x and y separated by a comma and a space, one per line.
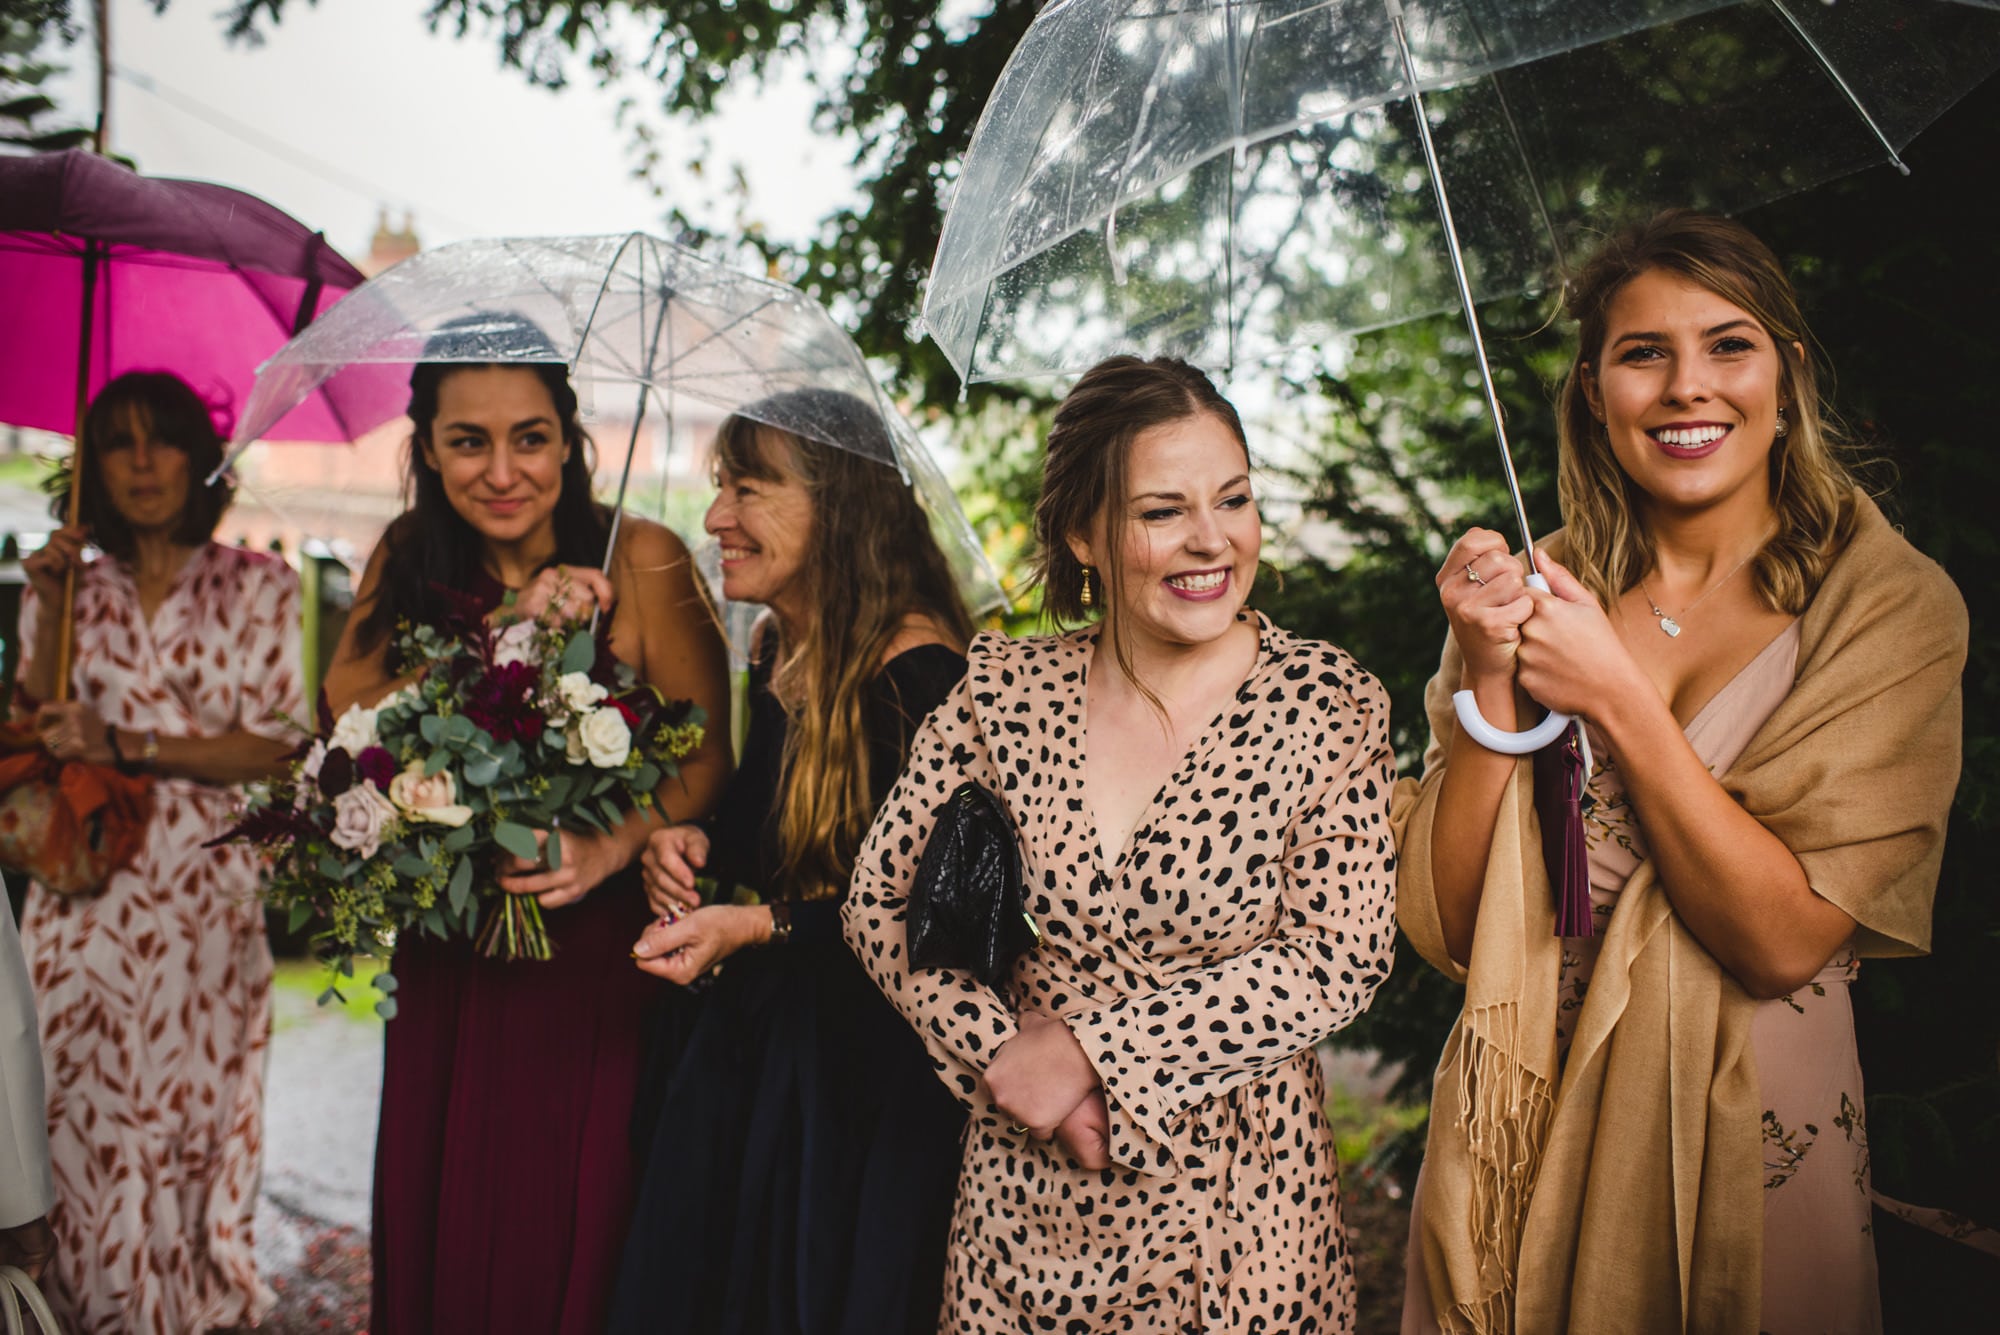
point(1248, 918)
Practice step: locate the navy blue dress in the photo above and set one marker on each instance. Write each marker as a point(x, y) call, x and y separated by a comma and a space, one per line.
point(799, 1154)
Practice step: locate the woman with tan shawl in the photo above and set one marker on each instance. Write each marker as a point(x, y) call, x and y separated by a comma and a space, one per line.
point(1659, 1127)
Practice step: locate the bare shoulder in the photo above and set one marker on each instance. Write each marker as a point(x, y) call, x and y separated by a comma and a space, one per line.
point(919, 629)
point(646, 547)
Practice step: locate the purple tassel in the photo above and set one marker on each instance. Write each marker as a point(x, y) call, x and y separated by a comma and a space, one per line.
point(1559, 798)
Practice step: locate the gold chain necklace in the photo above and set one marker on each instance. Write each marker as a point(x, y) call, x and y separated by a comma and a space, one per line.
point(1672, 627)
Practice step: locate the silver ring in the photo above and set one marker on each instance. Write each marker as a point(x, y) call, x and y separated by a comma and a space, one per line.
point(1473, 575)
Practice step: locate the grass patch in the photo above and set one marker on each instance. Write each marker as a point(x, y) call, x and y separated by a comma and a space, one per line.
point(1362, 1126)
point(308, 978)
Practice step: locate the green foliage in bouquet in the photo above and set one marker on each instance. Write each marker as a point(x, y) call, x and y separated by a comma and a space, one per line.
point(396, 818)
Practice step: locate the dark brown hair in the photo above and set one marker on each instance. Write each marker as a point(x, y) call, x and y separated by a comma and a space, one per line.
point(169, 410)
point(430, 547)
point(1811, 489)
point(1084, 472)
point(870, 561)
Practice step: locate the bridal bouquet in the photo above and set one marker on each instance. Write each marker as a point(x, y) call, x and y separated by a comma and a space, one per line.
point(394, 818)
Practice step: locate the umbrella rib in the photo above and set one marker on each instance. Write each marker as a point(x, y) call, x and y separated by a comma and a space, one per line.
point(1147, 99)
point(1853, 99)
point(1521, 148)
point(719, 330)
point(1395, 8)
point(603, 286)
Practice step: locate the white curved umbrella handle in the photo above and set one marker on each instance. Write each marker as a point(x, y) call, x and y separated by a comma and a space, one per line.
point(1494, 739)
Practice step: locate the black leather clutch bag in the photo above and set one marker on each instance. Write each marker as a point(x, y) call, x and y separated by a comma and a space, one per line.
point(965, 908)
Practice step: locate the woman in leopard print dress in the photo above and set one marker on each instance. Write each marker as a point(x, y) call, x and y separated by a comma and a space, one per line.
point(1201, 802)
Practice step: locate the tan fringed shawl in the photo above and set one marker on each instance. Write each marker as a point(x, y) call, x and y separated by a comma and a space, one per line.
point(1624, 1191)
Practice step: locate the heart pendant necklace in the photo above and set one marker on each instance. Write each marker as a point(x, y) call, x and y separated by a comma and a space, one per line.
point(1672, 627)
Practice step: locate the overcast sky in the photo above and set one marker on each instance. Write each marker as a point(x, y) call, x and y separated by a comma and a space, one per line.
point(352, 105)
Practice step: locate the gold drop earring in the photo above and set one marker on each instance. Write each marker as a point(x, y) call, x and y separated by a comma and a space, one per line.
point(1089, 596)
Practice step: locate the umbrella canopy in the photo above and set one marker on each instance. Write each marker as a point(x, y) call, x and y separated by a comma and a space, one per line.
point(628, 310)
point(112, 271)
point(1227, 180)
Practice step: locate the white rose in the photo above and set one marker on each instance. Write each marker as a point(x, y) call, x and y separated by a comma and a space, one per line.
point(354, 731)
point(515, 645)
point(606, 737)
point(579, 692)
point(431, 797)
point(359, 816)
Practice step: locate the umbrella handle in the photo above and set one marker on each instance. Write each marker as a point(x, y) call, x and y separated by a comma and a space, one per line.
point(1496, 739)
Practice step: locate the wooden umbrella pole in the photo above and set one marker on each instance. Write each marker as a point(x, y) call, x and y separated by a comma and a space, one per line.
point(67, 643)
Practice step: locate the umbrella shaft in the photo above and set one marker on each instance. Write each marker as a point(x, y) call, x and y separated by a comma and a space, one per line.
point(1458, 273)
point(85, 336)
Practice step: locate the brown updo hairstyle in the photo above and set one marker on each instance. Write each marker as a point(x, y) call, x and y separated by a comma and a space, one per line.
point(1811, 489)
point(169, 410)
point(1085, 468)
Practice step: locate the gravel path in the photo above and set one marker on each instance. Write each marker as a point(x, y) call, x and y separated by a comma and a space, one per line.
point(320, 1099)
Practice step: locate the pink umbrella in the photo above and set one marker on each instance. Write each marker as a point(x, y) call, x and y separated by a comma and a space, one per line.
point(105, 271)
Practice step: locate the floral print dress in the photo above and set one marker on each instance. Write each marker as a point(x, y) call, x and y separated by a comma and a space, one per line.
point(1819, 1254)
point(154, 995)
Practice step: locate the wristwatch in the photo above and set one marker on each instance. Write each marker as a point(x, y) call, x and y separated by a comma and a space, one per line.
point(781, 922)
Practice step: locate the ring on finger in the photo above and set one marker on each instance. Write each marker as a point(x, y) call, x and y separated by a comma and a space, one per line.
point(1472, 574)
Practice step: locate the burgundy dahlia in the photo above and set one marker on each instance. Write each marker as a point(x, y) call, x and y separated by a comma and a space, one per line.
point(503, 702)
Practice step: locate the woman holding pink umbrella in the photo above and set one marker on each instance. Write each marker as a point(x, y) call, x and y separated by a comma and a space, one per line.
point(154, 994)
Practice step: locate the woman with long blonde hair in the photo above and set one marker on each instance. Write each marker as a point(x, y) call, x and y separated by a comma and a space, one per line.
point(1659, 1127)
point(799, 1176)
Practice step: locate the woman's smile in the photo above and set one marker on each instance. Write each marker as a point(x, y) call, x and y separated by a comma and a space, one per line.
point(1199, 586)
point(1689, 440)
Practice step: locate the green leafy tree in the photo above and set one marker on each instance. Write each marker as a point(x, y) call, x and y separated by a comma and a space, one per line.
point(25, 110)
point(907, 93)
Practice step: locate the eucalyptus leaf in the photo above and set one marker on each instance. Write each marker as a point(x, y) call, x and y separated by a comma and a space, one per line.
point(481, 771)
point(410, 866)
point(459, 891)
point(386, 1008)
point(516, 839)
point(431, 728)
point(580, 653)
point(300, 915)
point(460, 839)
point(553, 848)
point(385, 982)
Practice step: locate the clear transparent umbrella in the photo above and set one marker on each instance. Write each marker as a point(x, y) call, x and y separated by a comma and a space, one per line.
point(623, 310)
point(1229, 181)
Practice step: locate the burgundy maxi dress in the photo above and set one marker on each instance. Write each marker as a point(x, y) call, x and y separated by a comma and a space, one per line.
point(503, 1164)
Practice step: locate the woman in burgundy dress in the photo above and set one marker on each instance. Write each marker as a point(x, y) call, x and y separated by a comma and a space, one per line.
point(502, 1166)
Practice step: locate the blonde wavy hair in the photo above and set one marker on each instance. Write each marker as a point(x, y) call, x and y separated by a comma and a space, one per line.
point(1812, 490)
point(870, 562)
